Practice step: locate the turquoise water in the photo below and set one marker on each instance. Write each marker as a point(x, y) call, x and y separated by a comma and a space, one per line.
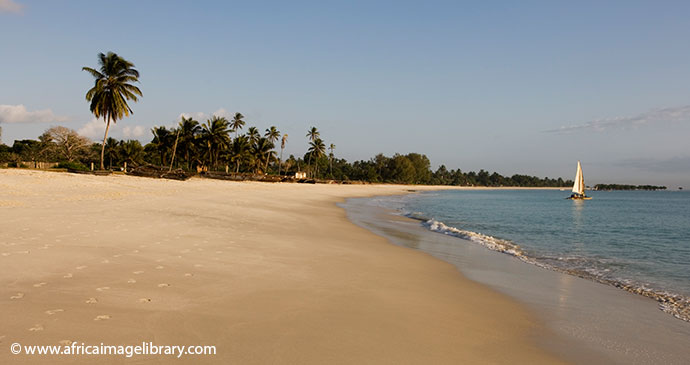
point(636, 240)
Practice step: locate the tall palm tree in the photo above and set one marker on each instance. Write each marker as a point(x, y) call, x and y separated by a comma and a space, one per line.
point(189, 132)
point(161, 139)
point(282, 147)
point(312, 134)
point(237, 123)
point(239, 151)
point(331, 155)
point(215, 133)
point(253, 134)
point(113, 87)
point(316, 149)
point(272, 134)
point(263, 153)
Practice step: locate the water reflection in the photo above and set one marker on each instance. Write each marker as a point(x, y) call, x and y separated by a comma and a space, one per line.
point(578, 207)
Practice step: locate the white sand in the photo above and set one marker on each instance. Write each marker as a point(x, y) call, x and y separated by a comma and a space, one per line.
point(268, 273)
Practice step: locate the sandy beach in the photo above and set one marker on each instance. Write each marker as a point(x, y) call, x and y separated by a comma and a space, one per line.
point(267, 273)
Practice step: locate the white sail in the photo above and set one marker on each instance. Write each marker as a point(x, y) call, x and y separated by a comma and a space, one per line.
point(579, 185)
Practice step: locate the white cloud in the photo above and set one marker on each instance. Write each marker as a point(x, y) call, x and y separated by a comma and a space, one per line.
point(672, 114)
point(95, 129)
point(133, 132)
point(202, 117)
point(9, 6)
point(19, 114)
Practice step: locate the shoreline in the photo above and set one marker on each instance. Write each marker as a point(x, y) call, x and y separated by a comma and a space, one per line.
point(591, 321)
point(266, 272)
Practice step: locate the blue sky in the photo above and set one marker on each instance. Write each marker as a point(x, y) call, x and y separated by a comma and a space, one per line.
point(514, 87)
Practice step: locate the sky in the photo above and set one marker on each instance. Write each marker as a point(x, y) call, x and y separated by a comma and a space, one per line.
point(526, 87)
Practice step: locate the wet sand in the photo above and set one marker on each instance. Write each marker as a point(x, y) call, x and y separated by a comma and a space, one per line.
point(589, 322)
point(268, 273)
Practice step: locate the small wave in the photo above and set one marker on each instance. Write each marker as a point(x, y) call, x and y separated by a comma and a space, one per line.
point(674, 304)
point(493, 243)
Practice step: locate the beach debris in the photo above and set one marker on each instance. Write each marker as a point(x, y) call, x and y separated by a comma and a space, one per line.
point(102, 317)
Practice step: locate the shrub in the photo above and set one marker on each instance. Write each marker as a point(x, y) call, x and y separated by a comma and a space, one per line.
point(73, 166)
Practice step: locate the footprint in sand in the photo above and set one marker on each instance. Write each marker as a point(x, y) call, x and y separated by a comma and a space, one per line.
point(17, 296)
point(138, 272)
point(118, 255)
point(106, 261)
point(81, 267)
point(23, 252)
point(163, 285)
point(144, 300)
point(160, 260)
point(188, 274)
point(36, 327)
point(38, 285)
point(142, 246)
point(102, 317)
point(65, 342)
point(91, 301)
point(53, 311)
point(219, 251)
point(68, 275)
point(5, 254)
point(160, 267)
point(135, 251)
point(103, 288)
point(131, 281)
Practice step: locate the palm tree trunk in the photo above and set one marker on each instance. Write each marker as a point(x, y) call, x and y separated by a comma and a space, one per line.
point(237, 171)
point(107, 126)
point(280, 162)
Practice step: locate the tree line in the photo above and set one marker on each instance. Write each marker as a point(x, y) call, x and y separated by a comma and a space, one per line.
point(219, 144)
point(627, 187)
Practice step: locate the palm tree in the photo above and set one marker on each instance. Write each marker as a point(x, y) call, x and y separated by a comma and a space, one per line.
point(215, 133)
point(189, 131)
point(316, 149)
point(253, 134)
point(272, 134)
point(131, 152)
point(282, 147)
point(111, 147)
point(161, 139)
point(263, 153)
point(312, 134)
point(330, 157)
point(239, 151)
point(237, 123)
point(112, 89)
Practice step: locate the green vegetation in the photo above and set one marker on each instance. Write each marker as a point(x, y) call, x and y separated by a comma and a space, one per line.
point(627, 187)
point(73, 166)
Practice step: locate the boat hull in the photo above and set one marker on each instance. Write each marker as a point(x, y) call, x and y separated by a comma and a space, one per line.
point(579, 198)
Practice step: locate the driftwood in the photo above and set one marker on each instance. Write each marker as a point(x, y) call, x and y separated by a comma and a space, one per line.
point(159, 172)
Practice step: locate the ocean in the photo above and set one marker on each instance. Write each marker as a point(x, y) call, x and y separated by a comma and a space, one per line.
point(638, 241)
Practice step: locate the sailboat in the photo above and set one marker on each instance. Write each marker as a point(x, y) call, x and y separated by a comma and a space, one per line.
point(579, 185)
